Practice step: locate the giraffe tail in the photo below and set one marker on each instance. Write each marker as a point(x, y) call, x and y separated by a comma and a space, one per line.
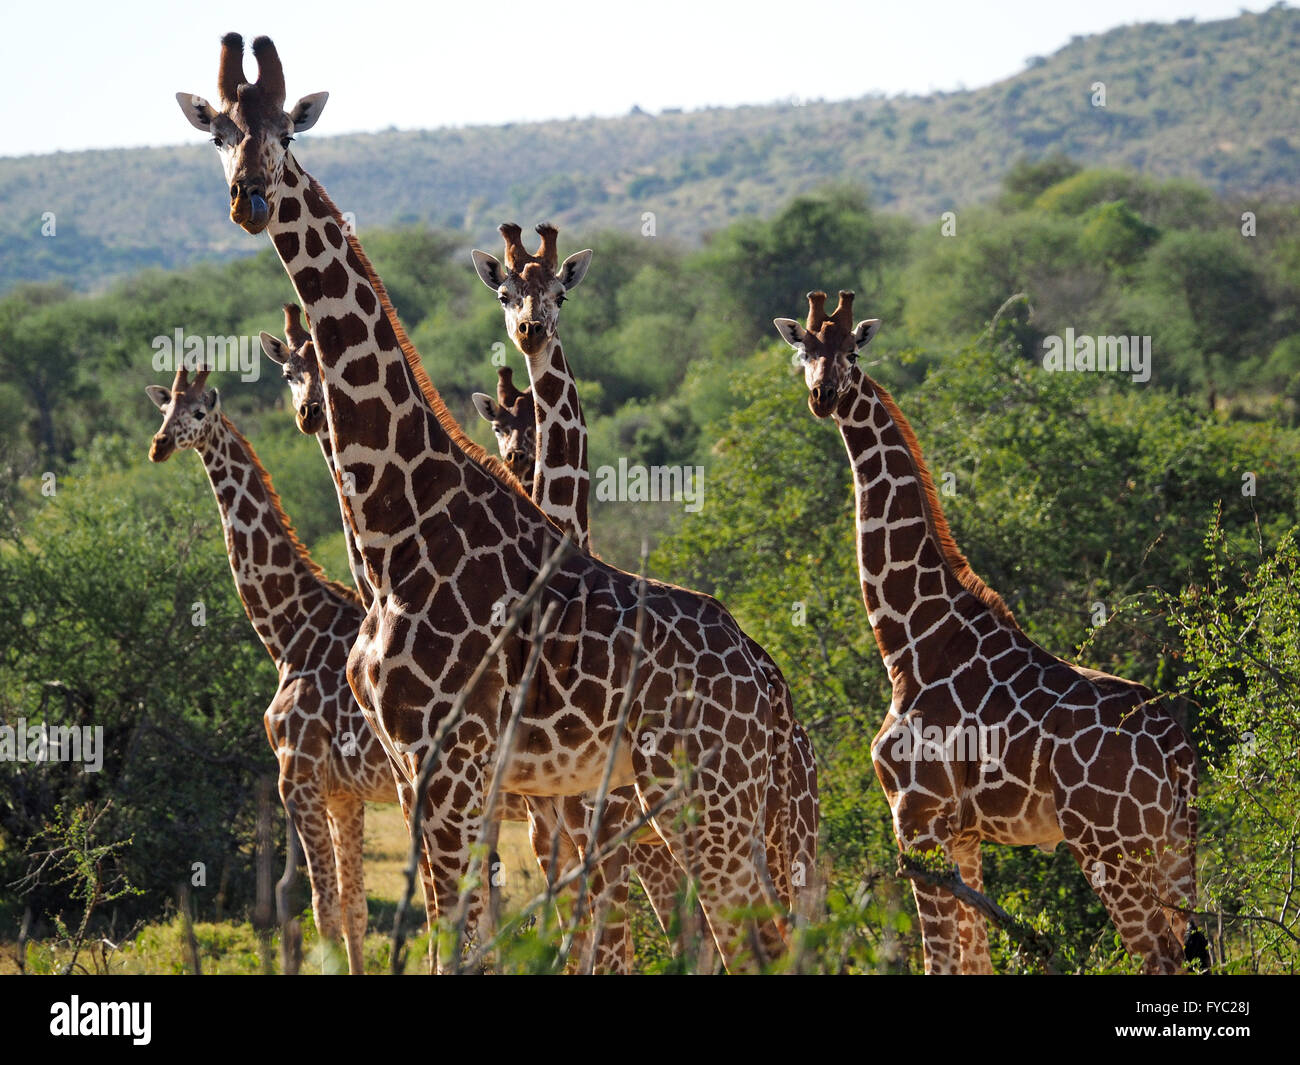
point(805, 817)
point(777, 812)
point(1179, 886)
point(797, 769)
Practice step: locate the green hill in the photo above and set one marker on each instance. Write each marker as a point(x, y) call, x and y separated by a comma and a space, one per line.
point(1214, 102)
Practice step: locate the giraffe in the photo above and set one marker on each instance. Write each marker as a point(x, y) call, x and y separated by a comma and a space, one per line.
point(512, 419)
point(988, 736)
point(513, 423)
point(549, 820)
point(330, 762)
point(447, 537)
point(531, 289)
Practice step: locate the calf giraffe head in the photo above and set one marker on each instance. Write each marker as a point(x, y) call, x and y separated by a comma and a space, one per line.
point(827, 347)
point(513, 420)
point(189, 413)
point(296, 356)
point(251, 129)
point(531, 288)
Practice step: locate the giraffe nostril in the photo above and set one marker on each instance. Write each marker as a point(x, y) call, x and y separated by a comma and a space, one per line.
point(234, 191)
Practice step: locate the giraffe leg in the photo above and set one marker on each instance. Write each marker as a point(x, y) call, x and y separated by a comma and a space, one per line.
point(972, 931)
point(405, 802)
point(610, 950)
point(451, 821)
point(1126, 887)
point(1125, 842)
point(920, 831)
point(556, 853)
point(311, 821)
point(717, 835)
point(676, 910)
point(347, 826)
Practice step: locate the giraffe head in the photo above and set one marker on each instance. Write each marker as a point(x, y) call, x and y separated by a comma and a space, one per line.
point(296, 356)
point(531, 288)
point(513, 419)
point(827, 348)
point(189, 413)
point(251, 129)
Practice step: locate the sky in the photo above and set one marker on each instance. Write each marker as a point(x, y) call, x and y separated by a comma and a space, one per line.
point(95, 75)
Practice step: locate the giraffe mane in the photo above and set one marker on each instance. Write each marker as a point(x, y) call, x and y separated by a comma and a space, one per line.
point(277, 509)
point(450, 425)
point(937, 523)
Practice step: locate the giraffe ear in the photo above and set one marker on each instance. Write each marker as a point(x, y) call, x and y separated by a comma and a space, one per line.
point(574, 269)
point(275, 350)
point(160, 396)
point(864, 332)
point(791, 331)
point(486, 407)
point(488, 269)
point(197, 110)
point(307, 110)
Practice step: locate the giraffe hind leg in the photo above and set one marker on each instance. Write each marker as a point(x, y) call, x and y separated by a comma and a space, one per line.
point(723, 848)
point(674, 904)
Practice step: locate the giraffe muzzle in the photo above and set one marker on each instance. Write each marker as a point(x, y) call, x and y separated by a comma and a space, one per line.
point(161, 448)
point(821, 401)
point(311, 418)
point(532, 337)
point(248, 208)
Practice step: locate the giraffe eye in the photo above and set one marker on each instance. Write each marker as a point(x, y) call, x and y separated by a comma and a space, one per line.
point(198, 415)
point(217, 141)
point(559, 300)
point(504, 299)
point(286, 140)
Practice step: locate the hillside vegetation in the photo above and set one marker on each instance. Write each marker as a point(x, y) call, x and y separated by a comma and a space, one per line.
point(1215, 103)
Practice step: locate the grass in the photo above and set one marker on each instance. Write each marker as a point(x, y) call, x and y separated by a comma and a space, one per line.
point(233, 948)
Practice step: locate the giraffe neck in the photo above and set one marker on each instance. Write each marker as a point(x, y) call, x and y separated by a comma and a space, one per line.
point(278, 583)
point(399, 453)
point(561, 481)
point(918, 589)
point(356, 564)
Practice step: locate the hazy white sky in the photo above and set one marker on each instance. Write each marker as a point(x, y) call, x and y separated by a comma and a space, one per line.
point(98, 75)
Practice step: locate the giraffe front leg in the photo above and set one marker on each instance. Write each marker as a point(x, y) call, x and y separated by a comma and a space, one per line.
point(919, 832)
point(452, 805)
point(310, 815)
point(972, 930)
point(347, 825)
point(611, 937)
point(557, 852)
point(405, 802)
